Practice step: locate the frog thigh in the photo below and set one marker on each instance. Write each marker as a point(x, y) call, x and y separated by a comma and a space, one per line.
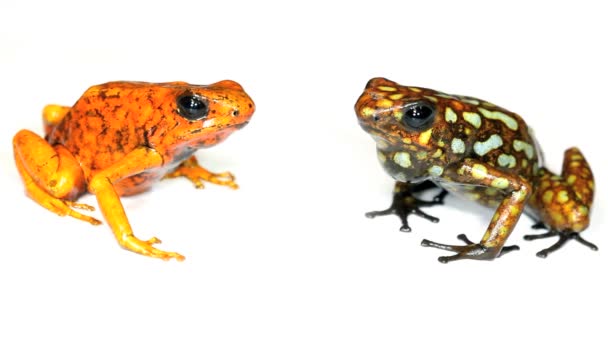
point(52, 115)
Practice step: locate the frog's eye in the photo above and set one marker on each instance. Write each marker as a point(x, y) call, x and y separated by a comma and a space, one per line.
point(419, 115)
point(192, 107)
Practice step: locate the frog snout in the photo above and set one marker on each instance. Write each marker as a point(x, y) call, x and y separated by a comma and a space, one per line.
point(229, 84)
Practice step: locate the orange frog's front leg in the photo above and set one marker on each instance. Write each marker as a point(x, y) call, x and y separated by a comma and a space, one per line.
point(197, 174)
point(102, 186)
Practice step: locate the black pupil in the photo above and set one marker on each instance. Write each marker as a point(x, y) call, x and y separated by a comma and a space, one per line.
point(192, 107)
point(418, 116)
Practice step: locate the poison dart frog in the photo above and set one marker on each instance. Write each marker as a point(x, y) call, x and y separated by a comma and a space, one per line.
point(473, 148)
point(121, 137)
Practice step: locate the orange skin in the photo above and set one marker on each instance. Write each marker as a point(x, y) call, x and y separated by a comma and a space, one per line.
point(121, 137)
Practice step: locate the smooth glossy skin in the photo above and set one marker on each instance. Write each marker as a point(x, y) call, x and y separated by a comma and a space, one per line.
point(121, 137)
point(476, 149)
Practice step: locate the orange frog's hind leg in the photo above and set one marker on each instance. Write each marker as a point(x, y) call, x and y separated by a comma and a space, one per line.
point(51, 175)
point(564, 202)
point(52, 115)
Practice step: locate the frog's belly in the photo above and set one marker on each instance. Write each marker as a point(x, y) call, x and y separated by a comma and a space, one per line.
point(486, 196)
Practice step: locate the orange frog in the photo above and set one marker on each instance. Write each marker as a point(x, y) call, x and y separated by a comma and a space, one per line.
point(121, 137)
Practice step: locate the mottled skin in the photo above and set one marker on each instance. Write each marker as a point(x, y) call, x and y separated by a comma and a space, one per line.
point(478, 150)
point(121, 137)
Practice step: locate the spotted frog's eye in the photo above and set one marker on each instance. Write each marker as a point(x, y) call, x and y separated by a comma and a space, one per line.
point(419, 115)
point(192, 107)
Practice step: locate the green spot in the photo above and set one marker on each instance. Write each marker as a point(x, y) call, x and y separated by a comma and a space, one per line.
point(446, 96)
point(398, 115)
point(472, 118)
point(571, 179)
point(472, 101)
point(431, 98)
point(450, 116)
point(496, 115)
point(500, 183)
point(435, 171)
point(506, 160)
point(562, 197)
point(479, 171)
point(421, 155)
point(493, 142)
point(458, 145)
point(402, 159)
point(519, 145)
point(381, 156)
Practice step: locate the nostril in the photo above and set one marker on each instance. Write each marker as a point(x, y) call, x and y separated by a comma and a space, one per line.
point(235, 113)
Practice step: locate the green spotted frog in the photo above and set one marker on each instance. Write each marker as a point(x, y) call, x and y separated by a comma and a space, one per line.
point(473, 148)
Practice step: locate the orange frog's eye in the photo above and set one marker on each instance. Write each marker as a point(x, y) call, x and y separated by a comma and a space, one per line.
point(418, 115)
point(192, 107)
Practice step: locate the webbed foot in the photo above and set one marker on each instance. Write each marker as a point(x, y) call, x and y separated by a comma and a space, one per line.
point(405, 204)
point(471, 250)
point(563, 238)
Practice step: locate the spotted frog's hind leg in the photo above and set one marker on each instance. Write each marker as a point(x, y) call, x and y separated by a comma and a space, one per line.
point(51, 175)
point(564, 202)
point(52, 115)
point(404, 203)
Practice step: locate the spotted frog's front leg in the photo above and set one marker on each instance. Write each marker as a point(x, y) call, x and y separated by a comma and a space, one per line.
point(564, 202)
point(197, 174)
point(516, 190)
point(404, 203)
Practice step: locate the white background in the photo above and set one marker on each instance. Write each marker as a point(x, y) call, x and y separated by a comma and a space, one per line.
point(290, 256)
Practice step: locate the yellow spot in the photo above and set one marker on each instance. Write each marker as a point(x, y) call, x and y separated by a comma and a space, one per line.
point(491, 192)
point(483, 147)
point(472, 118)
point(548, 197)
point(471, 101)
point(425, 136)
point(557, 217)
point(562, 197)
point(503, 231)
point(384, 103)
point(576, 157)
point(441, 143)
point(506, 160)
point(446, 96)
point(472, 196)
point(514, 210)
point(416, 90)
point(479, 171)
point(421, 155)
point(583, 210)
point(396, 96)
point(519, 196)
point(571, 179)
point(496, 115)
point(398, 115)
point(437, 153)
point(450, 115)
point(575, 164)
point(366, 111)
point(402, 159)
point(458, 145)
point(381, 156)
point(467, 131)
point(591, 185)
point(435, 171)
point(406, 141)
point(524, 163)
point(500, 183)
point(519, 145)
point(488, 104)
point(431, 98)
point(387, 88)
point(545, 184)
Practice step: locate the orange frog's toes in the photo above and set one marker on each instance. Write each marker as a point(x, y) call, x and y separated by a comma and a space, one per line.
point(145, 248)
point(223, 178)
point(63, 208)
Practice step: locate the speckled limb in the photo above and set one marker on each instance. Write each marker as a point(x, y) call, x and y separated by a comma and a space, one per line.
point(516, 190)
point(405, 204)
point(564, 202)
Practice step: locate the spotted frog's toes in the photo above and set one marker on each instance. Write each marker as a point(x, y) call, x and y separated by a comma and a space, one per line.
point(405, 204)
point(564, 237)
point(471, 250)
